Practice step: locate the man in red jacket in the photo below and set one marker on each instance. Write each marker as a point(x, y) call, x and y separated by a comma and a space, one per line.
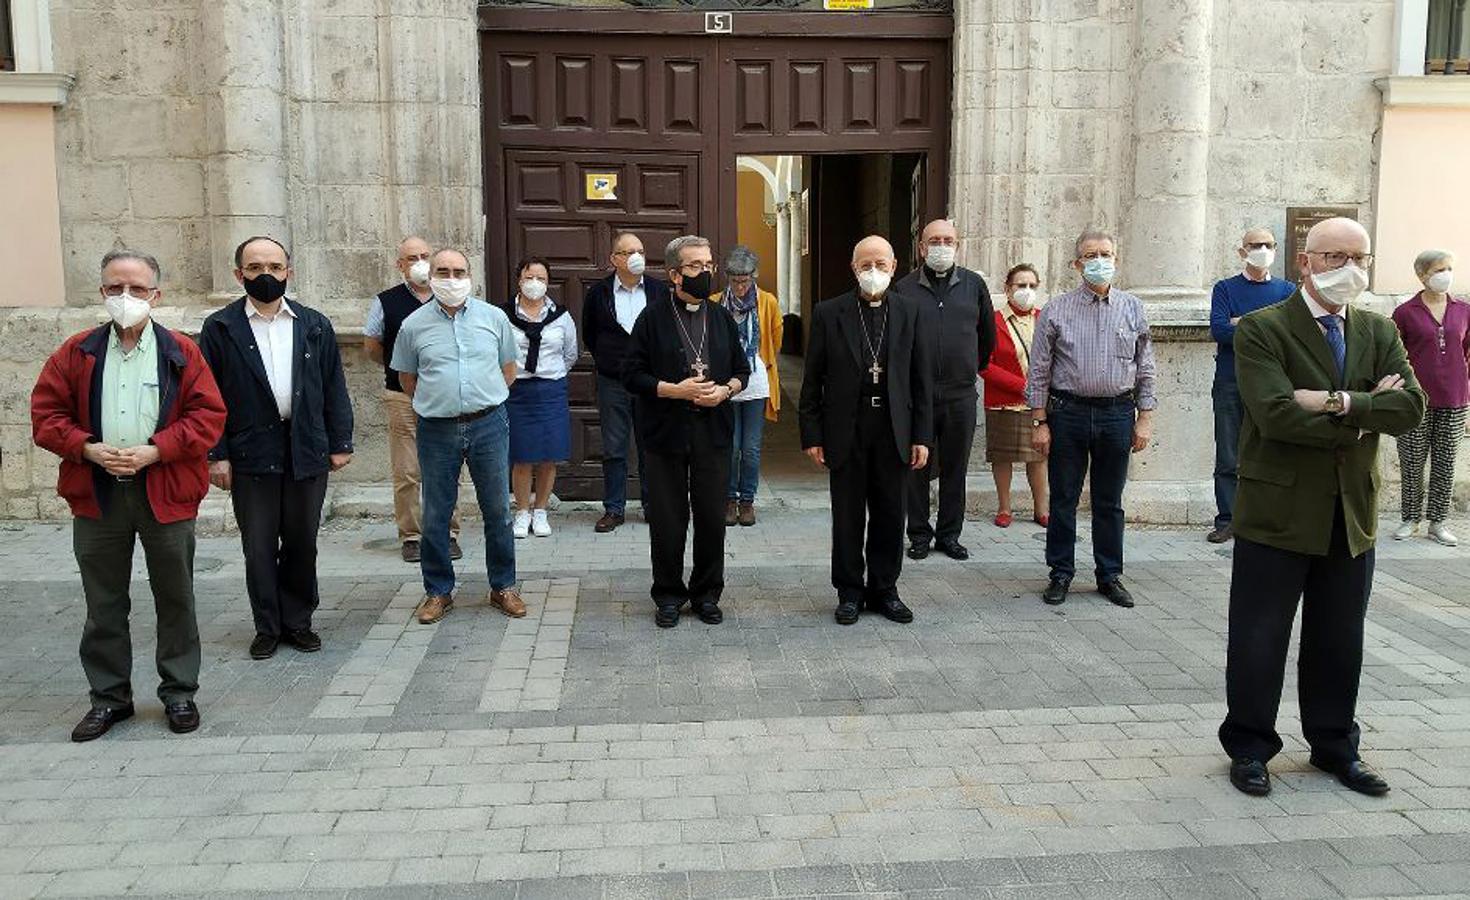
point(132, 410)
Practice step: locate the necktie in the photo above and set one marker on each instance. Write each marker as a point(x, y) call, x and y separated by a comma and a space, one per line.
point(1334, 340)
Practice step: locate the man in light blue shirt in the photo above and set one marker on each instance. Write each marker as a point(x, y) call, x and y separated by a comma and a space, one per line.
point(456, 358)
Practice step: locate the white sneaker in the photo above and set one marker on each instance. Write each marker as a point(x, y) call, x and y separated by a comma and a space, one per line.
point(1443, 535)
point(521, 526)
point(539, 525)
point(1405, 531)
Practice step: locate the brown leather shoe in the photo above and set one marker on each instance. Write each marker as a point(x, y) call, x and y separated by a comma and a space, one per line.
point(608, 522)
point(732, 513)
point(508, 602)
point(747, 514)
point(432, 609)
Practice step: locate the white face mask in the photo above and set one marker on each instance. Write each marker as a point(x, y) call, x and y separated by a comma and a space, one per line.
point(1340, 287)
point(940, 257)
point(452, 291)
point(1023, 298)
point(636, 263)
point(874, 282)
point(1441, 282)
point(533, 289)
point(1261, 257)
point(418, 273)
point(127, 310)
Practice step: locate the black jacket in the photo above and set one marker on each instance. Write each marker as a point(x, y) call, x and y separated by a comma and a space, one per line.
point(835, 368)
point(321, 411)
point(656, 354)
point(960, 326)
point(602, 334)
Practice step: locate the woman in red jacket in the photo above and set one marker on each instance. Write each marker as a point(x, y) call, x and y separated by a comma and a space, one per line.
point(1007, 418)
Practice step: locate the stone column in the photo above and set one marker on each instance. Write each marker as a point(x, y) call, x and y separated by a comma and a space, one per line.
point(246, 167)
point(1163, 252)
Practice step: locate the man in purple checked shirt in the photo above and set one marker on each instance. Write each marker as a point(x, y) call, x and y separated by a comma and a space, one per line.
point(1091, 393)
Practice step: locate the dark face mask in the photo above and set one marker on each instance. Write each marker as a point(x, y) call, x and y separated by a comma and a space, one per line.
point(265, 288)
point(701, 285)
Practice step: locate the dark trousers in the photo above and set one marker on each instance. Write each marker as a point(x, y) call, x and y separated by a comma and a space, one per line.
point(1082, 436)
point(1265, 584)
point(684, 483)
point(1225, 396)
point(954, 435)
point(104, 552)
point(618, 428)
point(868, 496)
point(279, 516)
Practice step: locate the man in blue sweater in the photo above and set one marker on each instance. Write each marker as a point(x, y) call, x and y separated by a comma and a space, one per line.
point(1234, 297)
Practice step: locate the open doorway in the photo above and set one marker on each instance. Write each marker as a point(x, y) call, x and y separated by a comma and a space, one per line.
point(802, 215)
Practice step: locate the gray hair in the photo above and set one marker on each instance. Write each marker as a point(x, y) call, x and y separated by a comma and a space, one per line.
point(136, 255)
point(1093, 234)
point(1429, 259)
point(741, 261)
point(674, 250)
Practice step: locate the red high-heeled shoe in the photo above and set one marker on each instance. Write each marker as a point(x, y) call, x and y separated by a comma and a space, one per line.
point(1003, 520)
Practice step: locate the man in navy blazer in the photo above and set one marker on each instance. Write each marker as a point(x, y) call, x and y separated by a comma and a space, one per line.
point(609, 310)
point(289, 424)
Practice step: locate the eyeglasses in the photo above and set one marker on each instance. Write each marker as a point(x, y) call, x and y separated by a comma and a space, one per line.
point(446, 272)
point(117, 290)
point(637, 250)
point(1337, 260)
point(1098, 254)
point(258, 268)
point(697, 267)
point(1261, 245)
point(416, 257)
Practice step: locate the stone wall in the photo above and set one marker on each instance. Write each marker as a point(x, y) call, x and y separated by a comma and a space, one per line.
point(337, 126)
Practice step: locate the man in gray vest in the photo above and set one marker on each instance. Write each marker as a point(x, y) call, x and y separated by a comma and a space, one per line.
point(959, 326)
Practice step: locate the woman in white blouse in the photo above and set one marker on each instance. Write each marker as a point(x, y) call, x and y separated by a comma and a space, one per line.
point(540, 419)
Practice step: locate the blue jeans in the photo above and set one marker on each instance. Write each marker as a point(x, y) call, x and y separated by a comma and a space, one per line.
point(445, 446)
point(745, 451)
point(1228, 414)
point(1081, 436)
point(615, 409)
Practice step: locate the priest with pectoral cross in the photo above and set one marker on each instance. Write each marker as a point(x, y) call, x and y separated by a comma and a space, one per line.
point(867, 415)
point(684, 363)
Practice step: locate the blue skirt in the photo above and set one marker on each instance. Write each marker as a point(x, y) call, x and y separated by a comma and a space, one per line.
point(540, 422)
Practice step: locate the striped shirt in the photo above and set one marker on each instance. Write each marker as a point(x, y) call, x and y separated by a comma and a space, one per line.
point(1092, 346)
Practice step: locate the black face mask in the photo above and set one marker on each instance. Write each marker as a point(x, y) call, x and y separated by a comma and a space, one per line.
point(265, 288)
point(701, 285)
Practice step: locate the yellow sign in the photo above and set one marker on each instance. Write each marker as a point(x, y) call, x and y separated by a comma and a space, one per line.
point(602, 186)
point(847, 4)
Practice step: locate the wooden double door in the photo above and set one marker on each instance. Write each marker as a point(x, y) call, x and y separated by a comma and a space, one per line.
point(602, 121)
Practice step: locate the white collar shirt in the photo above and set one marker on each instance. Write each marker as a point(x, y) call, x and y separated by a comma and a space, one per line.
point(275, 339)
point(628, 302)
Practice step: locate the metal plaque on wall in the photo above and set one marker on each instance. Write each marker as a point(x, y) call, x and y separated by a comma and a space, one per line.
point(764, 5)
point(1299, 220)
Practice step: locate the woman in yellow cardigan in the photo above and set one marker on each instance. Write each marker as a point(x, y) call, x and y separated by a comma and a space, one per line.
point(760, 335)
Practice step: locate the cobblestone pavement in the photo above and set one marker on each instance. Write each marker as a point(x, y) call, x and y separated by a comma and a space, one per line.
point(996, 747)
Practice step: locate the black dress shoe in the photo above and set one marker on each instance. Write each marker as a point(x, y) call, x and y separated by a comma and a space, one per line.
point(1116, 593)
point(454, 549)
point(264, 646)
point(1354, 775)
point(709, 613)
point(1056, 592)
point(847, 612)
point(98, 721)
point(918, 549)
point(608, 522)
point(892, 609)
point(182, 717)
point(666, 617)
point(305, 640)
point(952, 549)
point(410, 551)
point(1250, 776)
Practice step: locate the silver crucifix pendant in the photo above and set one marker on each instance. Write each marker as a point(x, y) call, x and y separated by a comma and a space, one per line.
point(698, 367)
point(876, 370)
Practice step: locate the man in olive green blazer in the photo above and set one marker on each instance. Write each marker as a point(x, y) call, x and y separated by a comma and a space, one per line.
point(1320, 380)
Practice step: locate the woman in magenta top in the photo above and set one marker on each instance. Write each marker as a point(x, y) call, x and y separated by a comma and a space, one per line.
point(1436, 332)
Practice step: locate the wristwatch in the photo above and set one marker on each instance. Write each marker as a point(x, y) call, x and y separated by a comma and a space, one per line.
point(1333, 403)
point(1037, 423)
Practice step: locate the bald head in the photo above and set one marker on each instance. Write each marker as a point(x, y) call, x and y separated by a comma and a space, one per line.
point(872, 247)
point(450, 264)
point(412, 250)
point(1339, 234)
point(1333, 245)
point(1258, 249)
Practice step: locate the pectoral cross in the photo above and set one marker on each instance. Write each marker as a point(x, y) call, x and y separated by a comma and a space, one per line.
point(876, 369)
point(698, 367)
